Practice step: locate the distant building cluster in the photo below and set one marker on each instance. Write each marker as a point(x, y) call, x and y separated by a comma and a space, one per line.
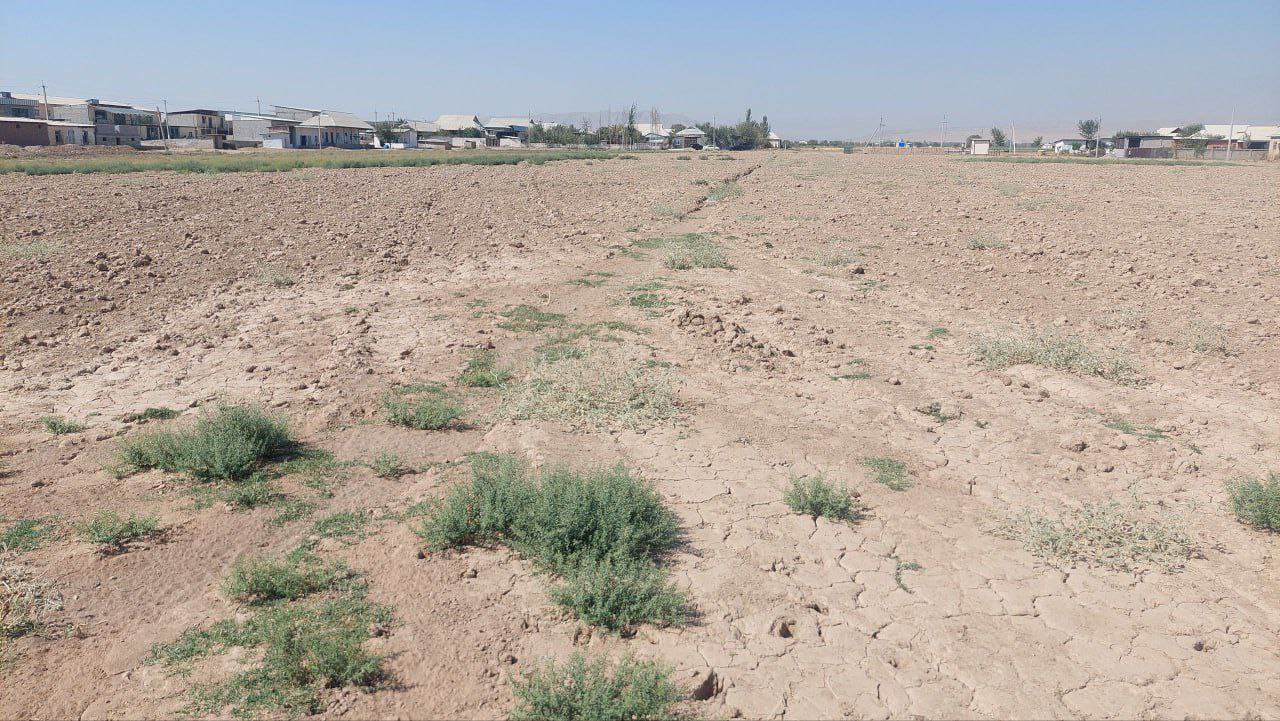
point(39, 119)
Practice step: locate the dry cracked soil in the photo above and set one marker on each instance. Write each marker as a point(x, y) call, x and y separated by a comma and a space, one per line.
point(843, 330)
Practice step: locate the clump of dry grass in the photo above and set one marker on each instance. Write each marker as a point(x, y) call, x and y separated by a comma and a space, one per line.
point(28, 603)
point(831, 256)
point(1122, 317)
point(594, 390)
point(1112, 535)
point(1201, 336)
point(1067, 353)
point(694, 250)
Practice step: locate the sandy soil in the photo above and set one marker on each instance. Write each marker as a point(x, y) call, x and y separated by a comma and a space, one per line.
point(154, 290)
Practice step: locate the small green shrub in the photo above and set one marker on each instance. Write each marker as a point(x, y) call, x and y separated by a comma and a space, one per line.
point(1201, 336)
point(261, 580)
point(482, 371)
point(981, 241)
point(889, 471)
point(830, 256)
point(621, 594)
point(724, 191)
point(1053, 351)
point(304, 630)
point(528, 319)
point(110, 531)
point(387, 465)
point(228, 443)
point(602, 530)
point(253, 492)
point(424, 406)
point(593, 689)
point(27, 534)
point(151, 414)
point(817, 497)
point(60, 426)
point(1256, 502)
point(346, 526)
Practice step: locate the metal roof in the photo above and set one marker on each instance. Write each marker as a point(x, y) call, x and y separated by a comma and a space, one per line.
point(652, 129)
point(449, 123)
point(334, 119)
point(691, 133)
point(420, 126)
point(509, 122)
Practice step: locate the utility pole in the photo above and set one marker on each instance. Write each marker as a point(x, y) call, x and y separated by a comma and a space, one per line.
point(259, 100)
point(1013, 138)
point(45, 92)
point(1231, 133)
point(164, 135)
point(942, 139)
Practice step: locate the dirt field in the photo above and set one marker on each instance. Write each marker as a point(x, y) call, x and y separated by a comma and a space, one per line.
point(843, 331)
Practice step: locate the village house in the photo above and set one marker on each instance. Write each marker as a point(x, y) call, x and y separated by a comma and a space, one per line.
point(978, 146)
point(207, 126)
point(325, 128)
point(11, 107)
point(336, 130)
point(114, 123)
point(1069, 145)
point(410, 133)
point(773, 140)
point(1145, 145)
point(468, 125)
point(252, 130)
point(38, 131)
point(655, 135)
point(504, 132)
point(688, 138)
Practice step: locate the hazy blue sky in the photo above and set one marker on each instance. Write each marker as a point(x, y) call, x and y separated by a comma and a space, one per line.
point(817, 69)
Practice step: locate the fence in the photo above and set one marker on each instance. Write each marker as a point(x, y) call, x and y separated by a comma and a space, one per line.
point(1219, 154)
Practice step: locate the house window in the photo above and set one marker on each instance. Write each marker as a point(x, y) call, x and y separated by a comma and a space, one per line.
point(57, 137)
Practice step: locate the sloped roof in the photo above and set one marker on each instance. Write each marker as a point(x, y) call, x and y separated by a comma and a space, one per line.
point(61, 99)
point(652, 129)
point(509, 122)
point(421, 126)
point(1240, 131)
point(773, 136)
point(691, 133)
point(335, 119)
point(449, 123)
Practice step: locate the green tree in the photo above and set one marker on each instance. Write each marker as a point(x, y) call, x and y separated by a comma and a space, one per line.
point(1037, 141)
point(386, 131)
point(631, 133)
point(998, 138)
point(1187, 131)
point(1088, 130)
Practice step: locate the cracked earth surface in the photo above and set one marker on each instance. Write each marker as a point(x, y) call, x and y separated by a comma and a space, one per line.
point(399, 272)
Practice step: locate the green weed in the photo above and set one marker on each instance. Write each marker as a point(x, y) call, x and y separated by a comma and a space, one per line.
point(424, 406)
point(817, 497)
point(584, 688)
